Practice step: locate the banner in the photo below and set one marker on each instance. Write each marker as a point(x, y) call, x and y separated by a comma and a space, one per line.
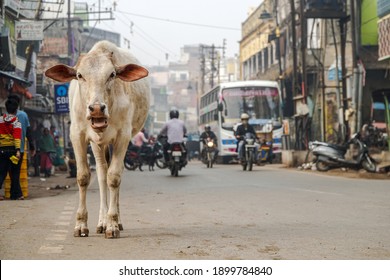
point(29, 30)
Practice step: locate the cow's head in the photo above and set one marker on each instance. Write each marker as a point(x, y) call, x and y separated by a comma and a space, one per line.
point(96, 74)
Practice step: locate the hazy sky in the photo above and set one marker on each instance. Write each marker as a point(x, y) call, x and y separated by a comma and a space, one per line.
point(162, 27)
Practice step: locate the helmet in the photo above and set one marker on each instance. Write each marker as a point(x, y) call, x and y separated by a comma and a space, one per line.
point(207, 127)
point(174, 114)
point(244, 116)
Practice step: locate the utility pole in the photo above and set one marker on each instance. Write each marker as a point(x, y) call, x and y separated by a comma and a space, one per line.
point(70, 62)
point(213, 56)
point(30, 48)
point(202, 67)
point(294, 43)
point(343, 39)
point(277, 33)
point(303, 49)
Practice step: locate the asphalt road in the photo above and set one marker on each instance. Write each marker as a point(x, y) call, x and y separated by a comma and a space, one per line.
point(221, 213)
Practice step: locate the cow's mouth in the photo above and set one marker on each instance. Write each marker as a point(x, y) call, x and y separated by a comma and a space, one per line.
point(99, 123)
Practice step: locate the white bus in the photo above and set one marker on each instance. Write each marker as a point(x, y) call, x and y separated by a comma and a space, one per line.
point(222, 107)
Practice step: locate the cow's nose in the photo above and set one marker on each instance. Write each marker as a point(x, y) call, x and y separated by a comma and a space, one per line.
point(92, 108)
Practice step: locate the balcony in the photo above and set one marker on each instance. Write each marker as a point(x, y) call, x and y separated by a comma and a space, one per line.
point(39, 104)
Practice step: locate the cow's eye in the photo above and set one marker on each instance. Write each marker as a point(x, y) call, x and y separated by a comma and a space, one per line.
point(113, 75)
point(79, 76)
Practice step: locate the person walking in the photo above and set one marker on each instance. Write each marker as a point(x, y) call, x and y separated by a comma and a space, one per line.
point(47, 150)
point(10, 138)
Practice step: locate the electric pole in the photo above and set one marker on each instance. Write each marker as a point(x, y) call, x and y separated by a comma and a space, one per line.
point(213, 55)
point(70, 62)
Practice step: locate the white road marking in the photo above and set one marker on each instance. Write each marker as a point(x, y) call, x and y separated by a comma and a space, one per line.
point(46, 249)
point(313, 191)
point(58, 235)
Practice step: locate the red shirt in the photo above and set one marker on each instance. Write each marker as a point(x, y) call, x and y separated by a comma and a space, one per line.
point(10, 131)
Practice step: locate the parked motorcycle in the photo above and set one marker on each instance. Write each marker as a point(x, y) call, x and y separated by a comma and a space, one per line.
point(329, 156)
point(146, 154)
point(249, 149)
point(208, 154)
point(177, 158)
point(159, 154)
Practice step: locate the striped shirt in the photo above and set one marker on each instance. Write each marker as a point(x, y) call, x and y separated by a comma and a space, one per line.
point(10, 131)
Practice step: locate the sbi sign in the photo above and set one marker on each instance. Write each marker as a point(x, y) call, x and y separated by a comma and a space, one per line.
point(61, 98)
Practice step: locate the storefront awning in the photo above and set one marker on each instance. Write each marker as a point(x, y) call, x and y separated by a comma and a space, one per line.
point(22, 81)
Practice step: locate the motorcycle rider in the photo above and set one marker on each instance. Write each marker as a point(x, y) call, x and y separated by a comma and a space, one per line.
point(207, 133)
point(241, 130)
point(174, 130)
point(139, 140)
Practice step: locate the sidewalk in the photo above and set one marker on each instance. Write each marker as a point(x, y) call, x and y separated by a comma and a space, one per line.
point(54, 185)
point(343, 172)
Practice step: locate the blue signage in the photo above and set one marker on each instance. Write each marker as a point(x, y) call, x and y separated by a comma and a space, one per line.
point(61, 98)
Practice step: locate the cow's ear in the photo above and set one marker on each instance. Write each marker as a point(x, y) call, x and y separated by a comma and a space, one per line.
point(131, 72)
point(61, 73)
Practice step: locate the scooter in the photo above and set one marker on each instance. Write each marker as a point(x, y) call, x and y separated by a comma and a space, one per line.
point(329, 156)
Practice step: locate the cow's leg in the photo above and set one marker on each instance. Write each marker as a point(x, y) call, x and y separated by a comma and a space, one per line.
point(101, 170)
point(83, 179)
point(114, 180)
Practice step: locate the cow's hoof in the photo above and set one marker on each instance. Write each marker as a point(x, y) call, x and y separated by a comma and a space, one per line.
point(99, 229)
point(81, 233)
point(112, 234)
point(120, 226)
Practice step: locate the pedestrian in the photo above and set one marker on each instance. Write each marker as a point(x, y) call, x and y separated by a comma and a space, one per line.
point(48, 152)
point(10, 138)
point(26, 133)
point(36, 132)
point(46, 123)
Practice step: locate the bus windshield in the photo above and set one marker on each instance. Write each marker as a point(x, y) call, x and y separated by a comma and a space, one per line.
point(260, 103)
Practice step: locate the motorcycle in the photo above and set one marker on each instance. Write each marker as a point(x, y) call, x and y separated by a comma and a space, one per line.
point(249, 149)
point(208, 154)
point(146, 154)
point(329, 156)
point(159, 154)
point(177, 158)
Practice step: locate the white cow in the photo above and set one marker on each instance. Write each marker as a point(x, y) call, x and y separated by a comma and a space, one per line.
point(109, 102)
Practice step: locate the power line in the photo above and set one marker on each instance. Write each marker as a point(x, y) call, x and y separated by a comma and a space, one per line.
point(182, 22)
point(149, 39)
